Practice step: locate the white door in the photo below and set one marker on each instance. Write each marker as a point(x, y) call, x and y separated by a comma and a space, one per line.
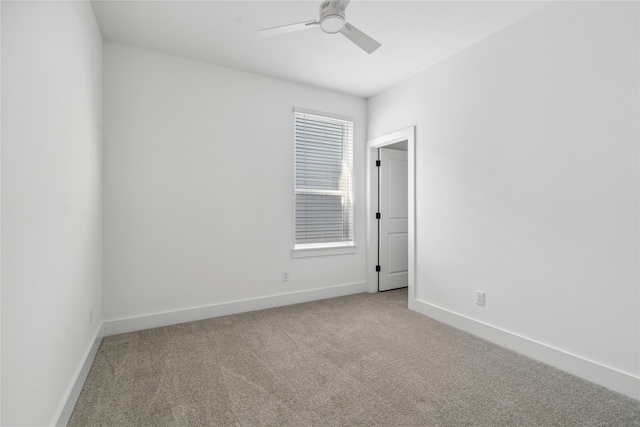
point(393, 243)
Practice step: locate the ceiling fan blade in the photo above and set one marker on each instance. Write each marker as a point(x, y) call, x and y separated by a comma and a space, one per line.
point(362, 40)
point(344, 4)
point(268, 32)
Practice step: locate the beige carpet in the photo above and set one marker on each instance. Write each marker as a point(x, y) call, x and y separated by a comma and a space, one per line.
point(359, 360)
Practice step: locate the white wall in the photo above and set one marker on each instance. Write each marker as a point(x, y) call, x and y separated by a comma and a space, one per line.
point(198, 185)
point(51, 203)
point(528, 179)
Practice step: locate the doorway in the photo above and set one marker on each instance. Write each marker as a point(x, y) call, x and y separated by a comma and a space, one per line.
point(404, 138)
point(392, 216)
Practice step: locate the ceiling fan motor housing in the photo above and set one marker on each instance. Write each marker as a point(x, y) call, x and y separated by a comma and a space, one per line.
point(331, 17)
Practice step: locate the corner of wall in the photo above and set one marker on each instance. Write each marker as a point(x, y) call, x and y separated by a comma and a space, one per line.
point(77, 382)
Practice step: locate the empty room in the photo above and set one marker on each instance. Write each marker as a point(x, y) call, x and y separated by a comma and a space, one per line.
point(320, 213)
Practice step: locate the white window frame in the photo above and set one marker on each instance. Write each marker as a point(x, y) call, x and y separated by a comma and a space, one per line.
point(326, 248)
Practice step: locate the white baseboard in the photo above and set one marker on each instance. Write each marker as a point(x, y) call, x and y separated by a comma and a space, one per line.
point(138, 323)
point(73, 392)
point(610, 378)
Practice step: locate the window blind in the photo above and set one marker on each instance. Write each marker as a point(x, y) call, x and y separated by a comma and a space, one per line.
point(323, 180)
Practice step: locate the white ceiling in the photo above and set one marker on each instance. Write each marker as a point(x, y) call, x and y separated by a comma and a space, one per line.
point(414, 36)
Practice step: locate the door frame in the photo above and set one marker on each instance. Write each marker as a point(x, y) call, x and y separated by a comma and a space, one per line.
point(406, 134)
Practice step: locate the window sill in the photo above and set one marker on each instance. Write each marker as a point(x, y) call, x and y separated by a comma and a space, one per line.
point(303, 252)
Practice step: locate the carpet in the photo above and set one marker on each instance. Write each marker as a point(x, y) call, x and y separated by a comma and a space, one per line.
point(359, 360)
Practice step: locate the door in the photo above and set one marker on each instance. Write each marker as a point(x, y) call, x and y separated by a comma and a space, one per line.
point(393, 243)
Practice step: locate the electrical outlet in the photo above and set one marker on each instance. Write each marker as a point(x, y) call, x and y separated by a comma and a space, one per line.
point(285, 276)
point(479, 297)
point(90, 315)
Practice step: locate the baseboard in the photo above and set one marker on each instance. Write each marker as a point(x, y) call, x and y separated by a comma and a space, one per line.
point(71, 396)
point(610, 378)
point(138, 323)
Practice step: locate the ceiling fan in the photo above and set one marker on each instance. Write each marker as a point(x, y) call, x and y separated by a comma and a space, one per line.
point(332, 21)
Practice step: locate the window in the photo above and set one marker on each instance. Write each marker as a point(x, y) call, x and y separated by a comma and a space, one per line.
point(323, 180)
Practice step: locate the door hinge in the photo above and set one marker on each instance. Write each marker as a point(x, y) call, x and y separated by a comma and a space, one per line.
point(378, 163)
point(377, 268)
point(377, 215)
